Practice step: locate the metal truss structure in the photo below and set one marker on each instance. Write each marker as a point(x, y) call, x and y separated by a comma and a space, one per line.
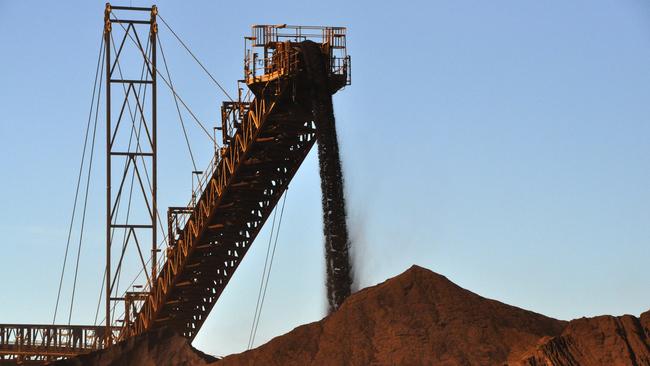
point(266, 137)
point(38, 344)
point(134, 119)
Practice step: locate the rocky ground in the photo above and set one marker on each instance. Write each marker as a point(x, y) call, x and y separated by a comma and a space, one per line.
point(416, 318)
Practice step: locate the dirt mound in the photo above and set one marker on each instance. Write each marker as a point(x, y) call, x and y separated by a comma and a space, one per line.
point(416, 318)
point(421, 318)
point(159, 347)
point(603, 340)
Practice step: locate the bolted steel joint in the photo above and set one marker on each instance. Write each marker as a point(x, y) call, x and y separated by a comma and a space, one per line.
point(154, 24)
point(107, 18)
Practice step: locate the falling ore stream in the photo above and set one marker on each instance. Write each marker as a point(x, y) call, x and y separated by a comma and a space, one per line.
point(337, 243)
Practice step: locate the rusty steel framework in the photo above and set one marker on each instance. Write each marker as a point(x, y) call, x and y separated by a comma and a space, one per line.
point(266, 134)
point(132, 82)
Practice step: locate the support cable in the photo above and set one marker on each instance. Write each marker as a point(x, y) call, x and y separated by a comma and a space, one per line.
point(195, 58)
point(137, 276)
point(85, 206)
point(117, 209)
point(268, 275)
point(196, 119)
point(259, 294)
point(101, 296)
point(178, 109)
point(137, 132)
point(125, 237)
point(133, 130)
point(138, 147)
point(81, 167)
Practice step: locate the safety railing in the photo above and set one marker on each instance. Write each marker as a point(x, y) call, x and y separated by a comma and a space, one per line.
point(232, 116)
point(52, 340)
point(280, 62)
point(342, 67)
point(264, 34)
point(268, 52)
point(178, 216)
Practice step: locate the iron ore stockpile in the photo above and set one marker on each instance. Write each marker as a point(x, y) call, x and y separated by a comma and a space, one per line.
point(416, 318)
point(339, 278)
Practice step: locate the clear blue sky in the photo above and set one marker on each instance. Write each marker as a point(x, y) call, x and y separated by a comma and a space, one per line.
point(504, 144)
